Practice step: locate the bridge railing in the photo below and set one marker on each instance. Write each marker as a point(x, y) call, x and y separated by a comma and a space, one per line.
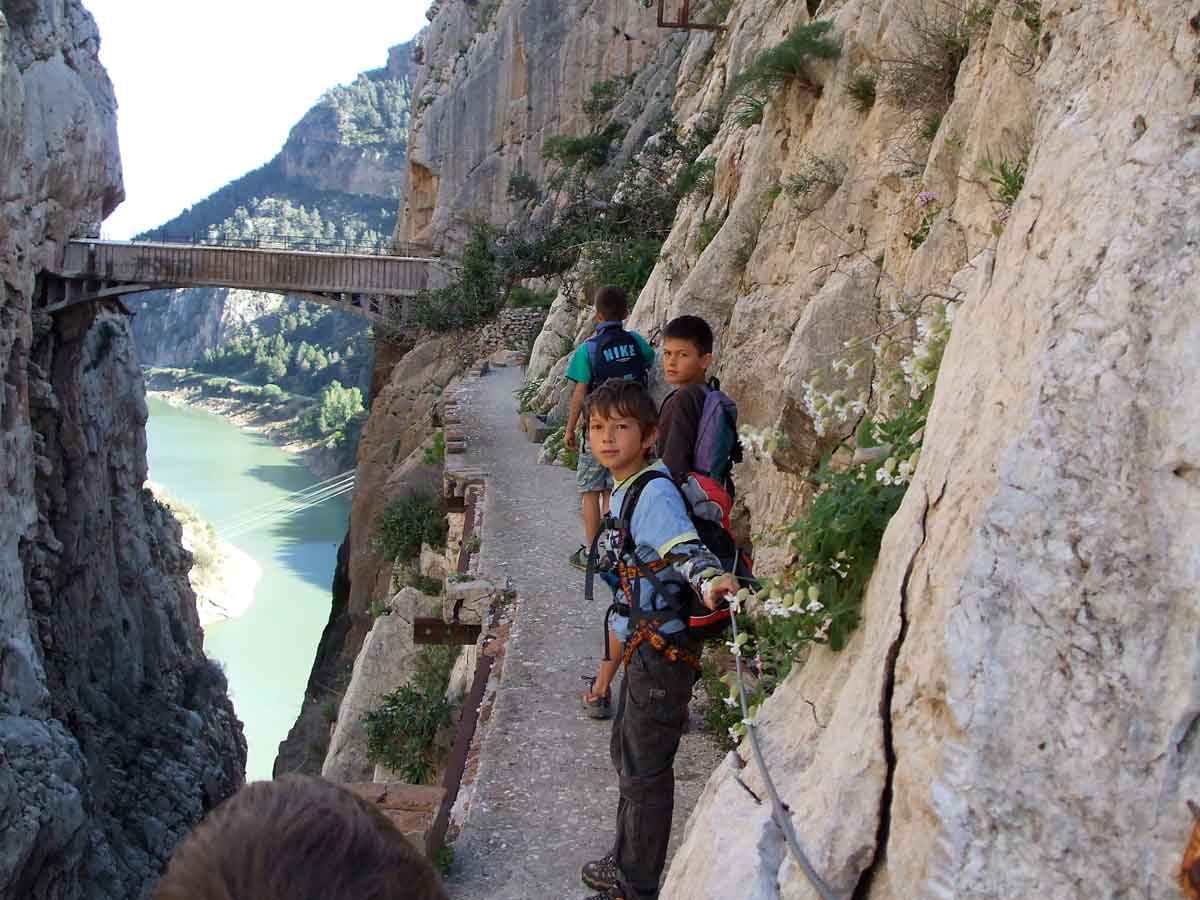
point(284, 242)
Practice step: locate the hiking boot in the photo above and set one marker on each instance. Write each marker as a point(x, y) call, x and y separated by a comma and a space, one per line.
point(610, 894)
point(579, 558)
point(601, 875)
point(598, 708)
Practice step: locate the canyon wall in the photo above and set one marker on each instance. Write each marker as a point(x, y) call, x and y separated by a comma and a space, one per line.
point(116, 733)
point(1017, 715)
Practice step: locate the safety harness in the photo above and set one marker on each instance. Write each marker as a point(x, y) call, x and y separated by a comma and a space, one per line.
point(668, 605)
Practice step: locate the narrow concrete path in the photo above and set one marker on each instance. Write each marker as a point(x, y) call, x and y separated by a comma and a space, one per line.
point(546, 794)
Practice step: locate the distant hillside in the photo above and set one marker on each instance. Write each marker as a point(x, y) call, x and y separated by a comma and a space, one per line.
point(336, 179)
point(345, 157)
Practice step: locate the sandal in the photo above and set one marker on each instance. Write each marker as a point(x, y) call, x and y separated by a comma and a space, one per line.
point(596, 707)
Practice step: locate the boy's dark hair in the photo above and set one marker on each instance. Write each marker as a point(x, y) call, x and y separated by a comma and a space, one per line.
point(297, 838)
point(690, 328)
point(612, 303)
point(618, 397)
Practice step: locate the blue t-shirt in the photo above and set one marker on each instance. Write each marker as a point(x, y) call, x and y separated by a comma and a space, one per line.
point(660, 523)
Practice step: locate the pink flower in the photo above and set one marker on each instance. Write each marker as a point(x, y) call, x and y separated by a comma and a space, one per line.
point(925, 198)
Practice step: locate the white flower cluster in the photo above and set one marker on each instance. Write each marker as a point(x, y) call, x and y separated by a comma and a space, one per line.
point(829, 409)
point(920, 367)
point(762, 441)
point(897, 472)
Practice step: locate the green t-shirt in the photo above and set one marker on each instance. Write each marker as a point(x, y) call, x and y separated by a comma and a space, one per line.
point(580, 368)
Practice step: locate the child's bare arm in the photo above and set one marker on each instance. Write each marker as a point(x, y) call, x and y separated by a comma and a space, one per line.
point(577, 398)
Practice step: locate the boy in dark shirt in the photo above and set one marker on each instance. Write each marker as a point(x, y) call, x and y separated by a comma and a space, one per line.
point(686, 356)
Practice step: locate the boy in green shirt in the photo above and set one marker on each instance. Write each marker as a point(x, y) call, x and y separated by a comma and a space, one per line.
point(612, 352)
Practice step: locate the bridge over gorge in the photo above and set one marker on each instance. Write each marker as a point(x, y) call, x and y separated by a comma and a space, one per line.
point(377, 286)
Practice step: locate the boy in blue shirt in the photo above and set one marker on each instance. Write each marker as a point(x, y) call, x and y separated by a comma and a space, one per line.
point(612, 352)
point(662, 661)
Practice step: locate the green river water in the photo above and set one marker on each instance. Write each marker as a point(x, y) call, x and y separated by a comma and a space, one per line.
point(221, 471)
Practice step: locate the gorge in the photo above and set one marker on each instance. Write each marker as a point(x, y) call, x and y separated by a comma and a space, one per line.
point(949, 246)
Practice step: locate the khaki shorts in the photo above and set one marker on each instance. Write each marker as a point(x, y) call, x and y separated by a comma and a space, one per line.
point(590, 475)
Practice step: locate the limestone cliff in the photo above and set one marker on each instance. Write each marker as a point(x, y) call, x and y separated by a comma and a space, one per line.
point(116, 733)
point(497, 79)
point(1017, 714)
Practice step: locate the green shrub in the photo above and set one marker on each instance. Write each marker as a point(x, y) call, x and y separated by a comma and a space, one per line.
point(526, 392)
point(435, 454)
point(835, 543)
point(1007, 175)
point(272, 393)
point(591, 151)
point(706, 232)
point(523, 298)
point(788, 60)
point(722, 709)
point(473, 295)
point(407, 523)
point(862, 90)
point(930, 127)
point(521, 187)
point(426, 584)
point(605, 95)
point(933, 41)
point(334, 413)
point(718, 12)
point(628, 263)
point(748, 110)
point(814, 172)
point(696, 176)
point(401, 730)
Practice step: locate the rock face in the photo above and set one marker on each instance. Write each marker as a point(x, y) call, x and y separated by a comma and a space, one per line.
point(1017, 716)
point(318, 152)
point(384, 663)
point(116, 733)
point(525, 68)
point(409, 384)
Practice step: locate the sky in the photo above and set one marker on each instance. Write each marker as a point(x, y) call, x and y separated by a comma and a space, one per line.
point(207, 90)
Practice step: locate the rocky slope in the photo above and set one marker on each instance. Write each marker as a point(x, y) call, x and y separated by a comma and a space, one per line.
point(116, 733)
point(1017, 714)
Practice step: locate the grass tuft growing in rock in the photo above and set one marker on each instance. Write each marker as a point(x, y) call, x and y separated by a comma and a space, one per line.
point(861, 90)
point(408, 523)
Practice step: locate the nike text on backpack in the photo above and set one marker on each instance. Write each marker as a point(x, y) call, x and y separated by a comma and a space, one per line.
point(616, 354)
point(710, 518)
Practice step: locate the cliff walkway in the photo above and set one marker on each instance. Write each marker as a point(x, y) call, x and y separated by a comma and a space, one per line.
point(375, 286)
point(545, 796)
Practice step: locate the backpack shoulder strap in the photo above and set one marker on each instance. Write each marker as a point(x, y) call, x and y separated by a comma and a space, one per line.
point(630, 500)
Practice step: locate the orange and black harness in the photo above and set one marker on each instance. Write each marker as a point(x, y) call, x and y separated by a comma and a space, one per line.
point(647, 634)
point(630, 571)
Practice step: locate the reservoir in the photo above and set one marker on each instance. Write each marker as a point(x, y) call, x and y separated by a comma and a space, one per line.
point(222, 472)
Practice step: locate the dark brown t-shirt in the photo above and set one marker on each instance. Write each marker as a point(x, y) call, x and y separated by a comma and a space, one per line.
point(678, 421)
